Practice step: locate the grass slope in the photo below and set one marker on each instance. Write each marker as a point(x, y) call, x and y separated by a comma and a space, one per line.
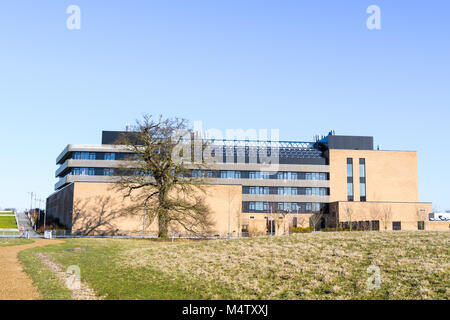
point(413, 265)
point(8, 222)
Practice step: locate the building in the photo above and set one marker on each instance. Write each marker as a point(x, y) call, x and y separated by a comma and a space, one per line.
point(336, 181)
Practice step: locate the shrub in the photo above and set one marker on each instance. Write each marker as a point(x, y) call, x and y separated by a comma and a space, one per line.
point(302, 230)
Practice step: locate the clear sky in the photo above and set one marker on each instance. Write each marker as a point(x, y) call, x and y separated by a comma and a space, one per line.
point(304, 67)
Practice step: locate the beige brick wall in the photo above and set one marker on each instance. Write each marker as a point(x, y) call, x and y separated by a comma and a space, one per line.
point(390, 175)
point(385, 212)
point(96, 199)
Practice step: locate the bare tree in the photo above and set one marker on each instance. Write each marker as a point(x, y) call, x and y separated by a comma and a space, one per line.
point(348, 212)
point(301, 221)
point(374, 214)
point(386, 216)
point(280, 221)
point(159, 178)
point(315, 219)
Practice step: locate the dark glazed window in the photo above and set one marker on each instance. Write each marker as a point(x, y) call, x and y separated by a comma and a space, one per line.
point(396, 225)
point(420, 225)
point(349, 179)
point(362, 179)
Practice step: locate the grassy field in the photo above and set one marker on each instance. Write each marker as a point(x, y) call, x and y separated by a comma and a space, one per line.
point(8, 222)
point(413, 265)
point(13, 241)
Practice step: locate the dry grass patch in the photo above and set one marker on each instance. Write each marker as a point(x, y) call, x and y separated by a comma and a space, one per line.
point(414, 265)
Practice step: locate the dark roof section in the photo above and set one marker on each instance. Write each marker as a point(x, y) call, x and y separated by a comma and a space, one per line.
point(350, 142)
point(113, 137)
point(290, 152)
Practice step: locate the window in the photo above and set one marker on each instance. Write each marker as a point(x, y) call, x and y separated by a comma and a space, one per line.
point(396, 225)
point(83, 171)
point(308, 207)
point(108, 172)
point(259, 190)
point(375, 225)
point(362, 167)
point(362, 179)
point(349, 179)
point(230, 174)
point(283, 175)
point(110, 156)
point(349, 191)
point(84, 156)
point(420, 225)
point(315, 206)
point(258, 206)
point(349, 167)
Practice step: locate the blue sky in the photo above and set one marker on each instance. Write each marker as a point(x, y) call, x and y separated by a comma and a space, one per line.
point(304, 67)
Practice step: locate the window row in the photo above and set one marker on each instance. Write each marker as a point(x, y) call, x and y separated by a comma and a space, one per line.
point(102, 156)
point(231, 174)
point(91, 172)
point(286, 190)
point(286, 207)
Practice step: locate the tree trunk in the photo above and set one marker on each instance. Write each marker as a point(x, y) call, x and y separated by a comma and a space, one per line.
point(163, 226)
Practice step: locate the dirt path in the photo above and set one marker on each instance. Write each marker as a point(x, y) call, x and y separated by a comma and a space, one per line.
point(14, 282)
point(79, 292)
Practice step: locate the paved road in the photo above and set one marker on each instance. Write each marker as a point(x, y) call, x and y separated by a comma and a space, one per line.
point(26, 223)
point(15, 284)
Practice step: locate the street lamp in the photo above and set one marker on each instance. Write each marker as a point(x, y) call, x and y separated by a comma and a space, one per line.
point(31, 202)
point(45, 213)
point(271, 222)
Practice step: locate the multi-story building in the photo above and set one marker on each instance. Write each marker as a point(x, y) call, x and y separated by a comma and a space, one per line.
point(333, 181)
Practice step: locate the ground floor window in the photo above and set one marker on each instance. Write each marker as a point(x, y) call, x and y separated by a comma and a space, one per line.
point(420, 225)
point(396, 225)
point(375, 225)
point(361, 225)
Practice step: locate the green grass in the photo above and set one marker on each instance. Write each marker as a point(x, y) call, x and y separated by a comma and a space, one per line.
point(413, 265)
point(8, 222)
point(4, 242)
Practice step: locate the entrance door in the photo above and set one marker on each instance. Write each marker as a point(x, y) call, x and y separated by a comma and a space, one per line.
point(270, 227)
